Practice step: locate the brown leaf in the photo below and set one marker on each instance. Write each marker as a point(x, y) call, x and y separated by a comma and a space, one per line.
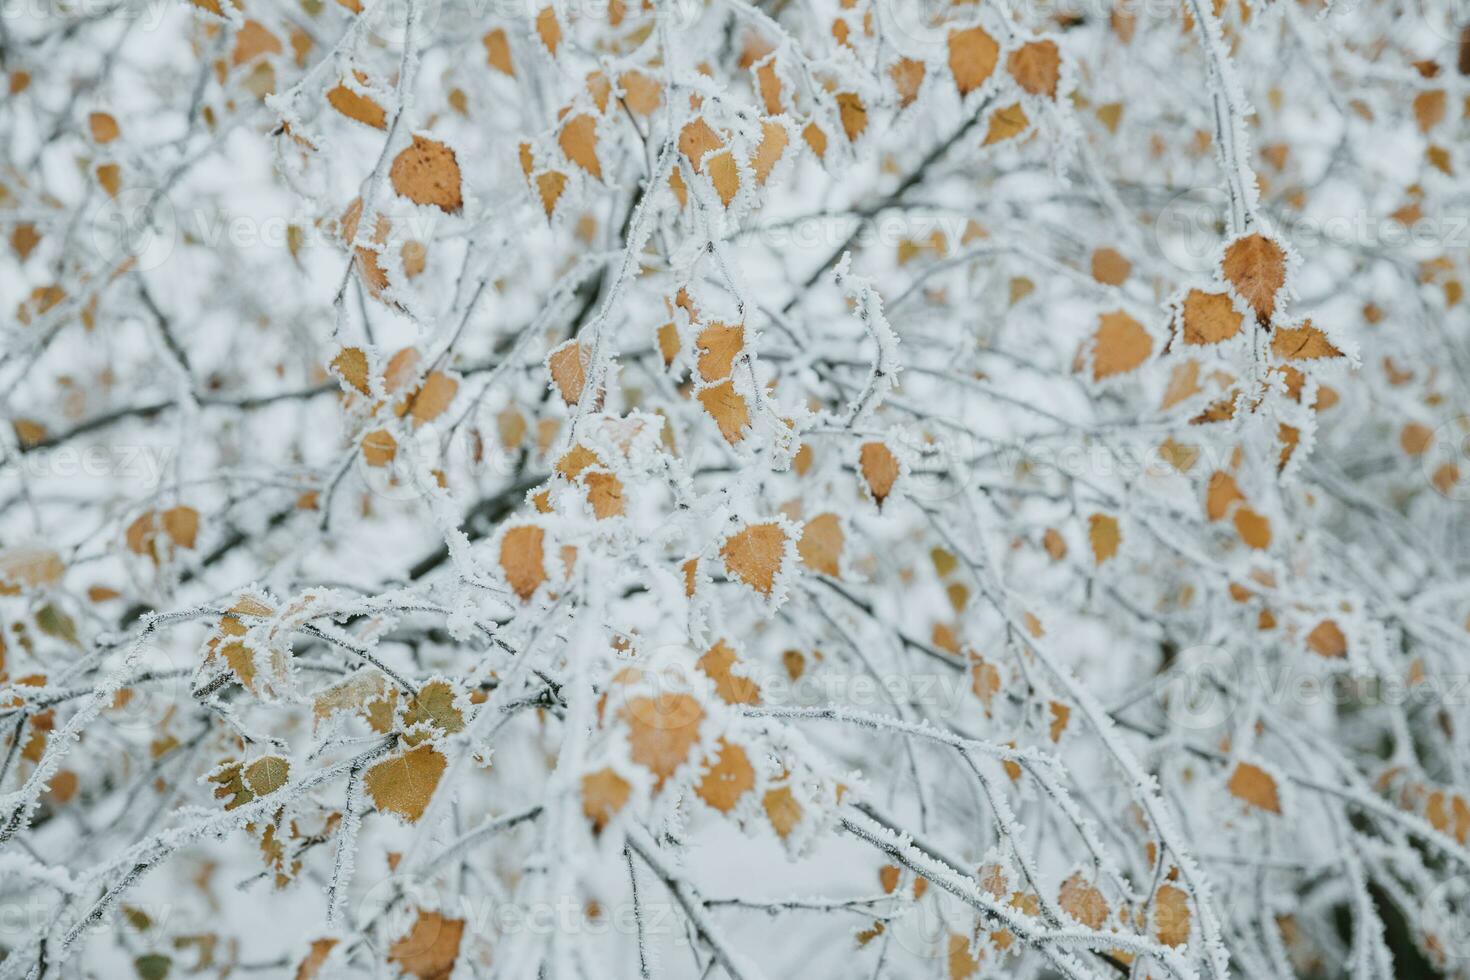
point(379, 447)
point(972, 58)
point(1110, 267)
point(427, 172)
point(29, 568)
point(1006, 123)
point(549, 186)
point(548, 29)
point(1120, 345)
point(730, 778)
point(728, 408)
point(782, 810)
point(1221, 492)
point(716, 663)
point(773, 144)
point(1036, 67)
point(661, 731)
point(853, 113)
point(432, 398)
point(1304, 343)
point(1253, 528)
point(497, 52)
point(578, 140)
point(719, 344)
point(522, 558)
point(1171, 916)
point(351, 365)
point(430, 949)
point(908, 76)
point(696, 140)
point(356, 106)
point(821, 544)
point(1209, 318)
point(604, 793)
point(103, 126)
point(754, 555)
point(1104, 536)
point(724, 173)
point(404, 784)
point(1255, 786)
point(1083, 902)
point(568, 368)
point(1327, 640)
point(1256, 267)
point(879, 468)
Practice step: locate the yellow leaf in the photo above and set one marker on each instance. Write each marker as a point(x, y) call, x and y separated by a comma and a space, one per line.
point(1171, 916)
point(853, 113)
point(908, 76)
point(1254, 529)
